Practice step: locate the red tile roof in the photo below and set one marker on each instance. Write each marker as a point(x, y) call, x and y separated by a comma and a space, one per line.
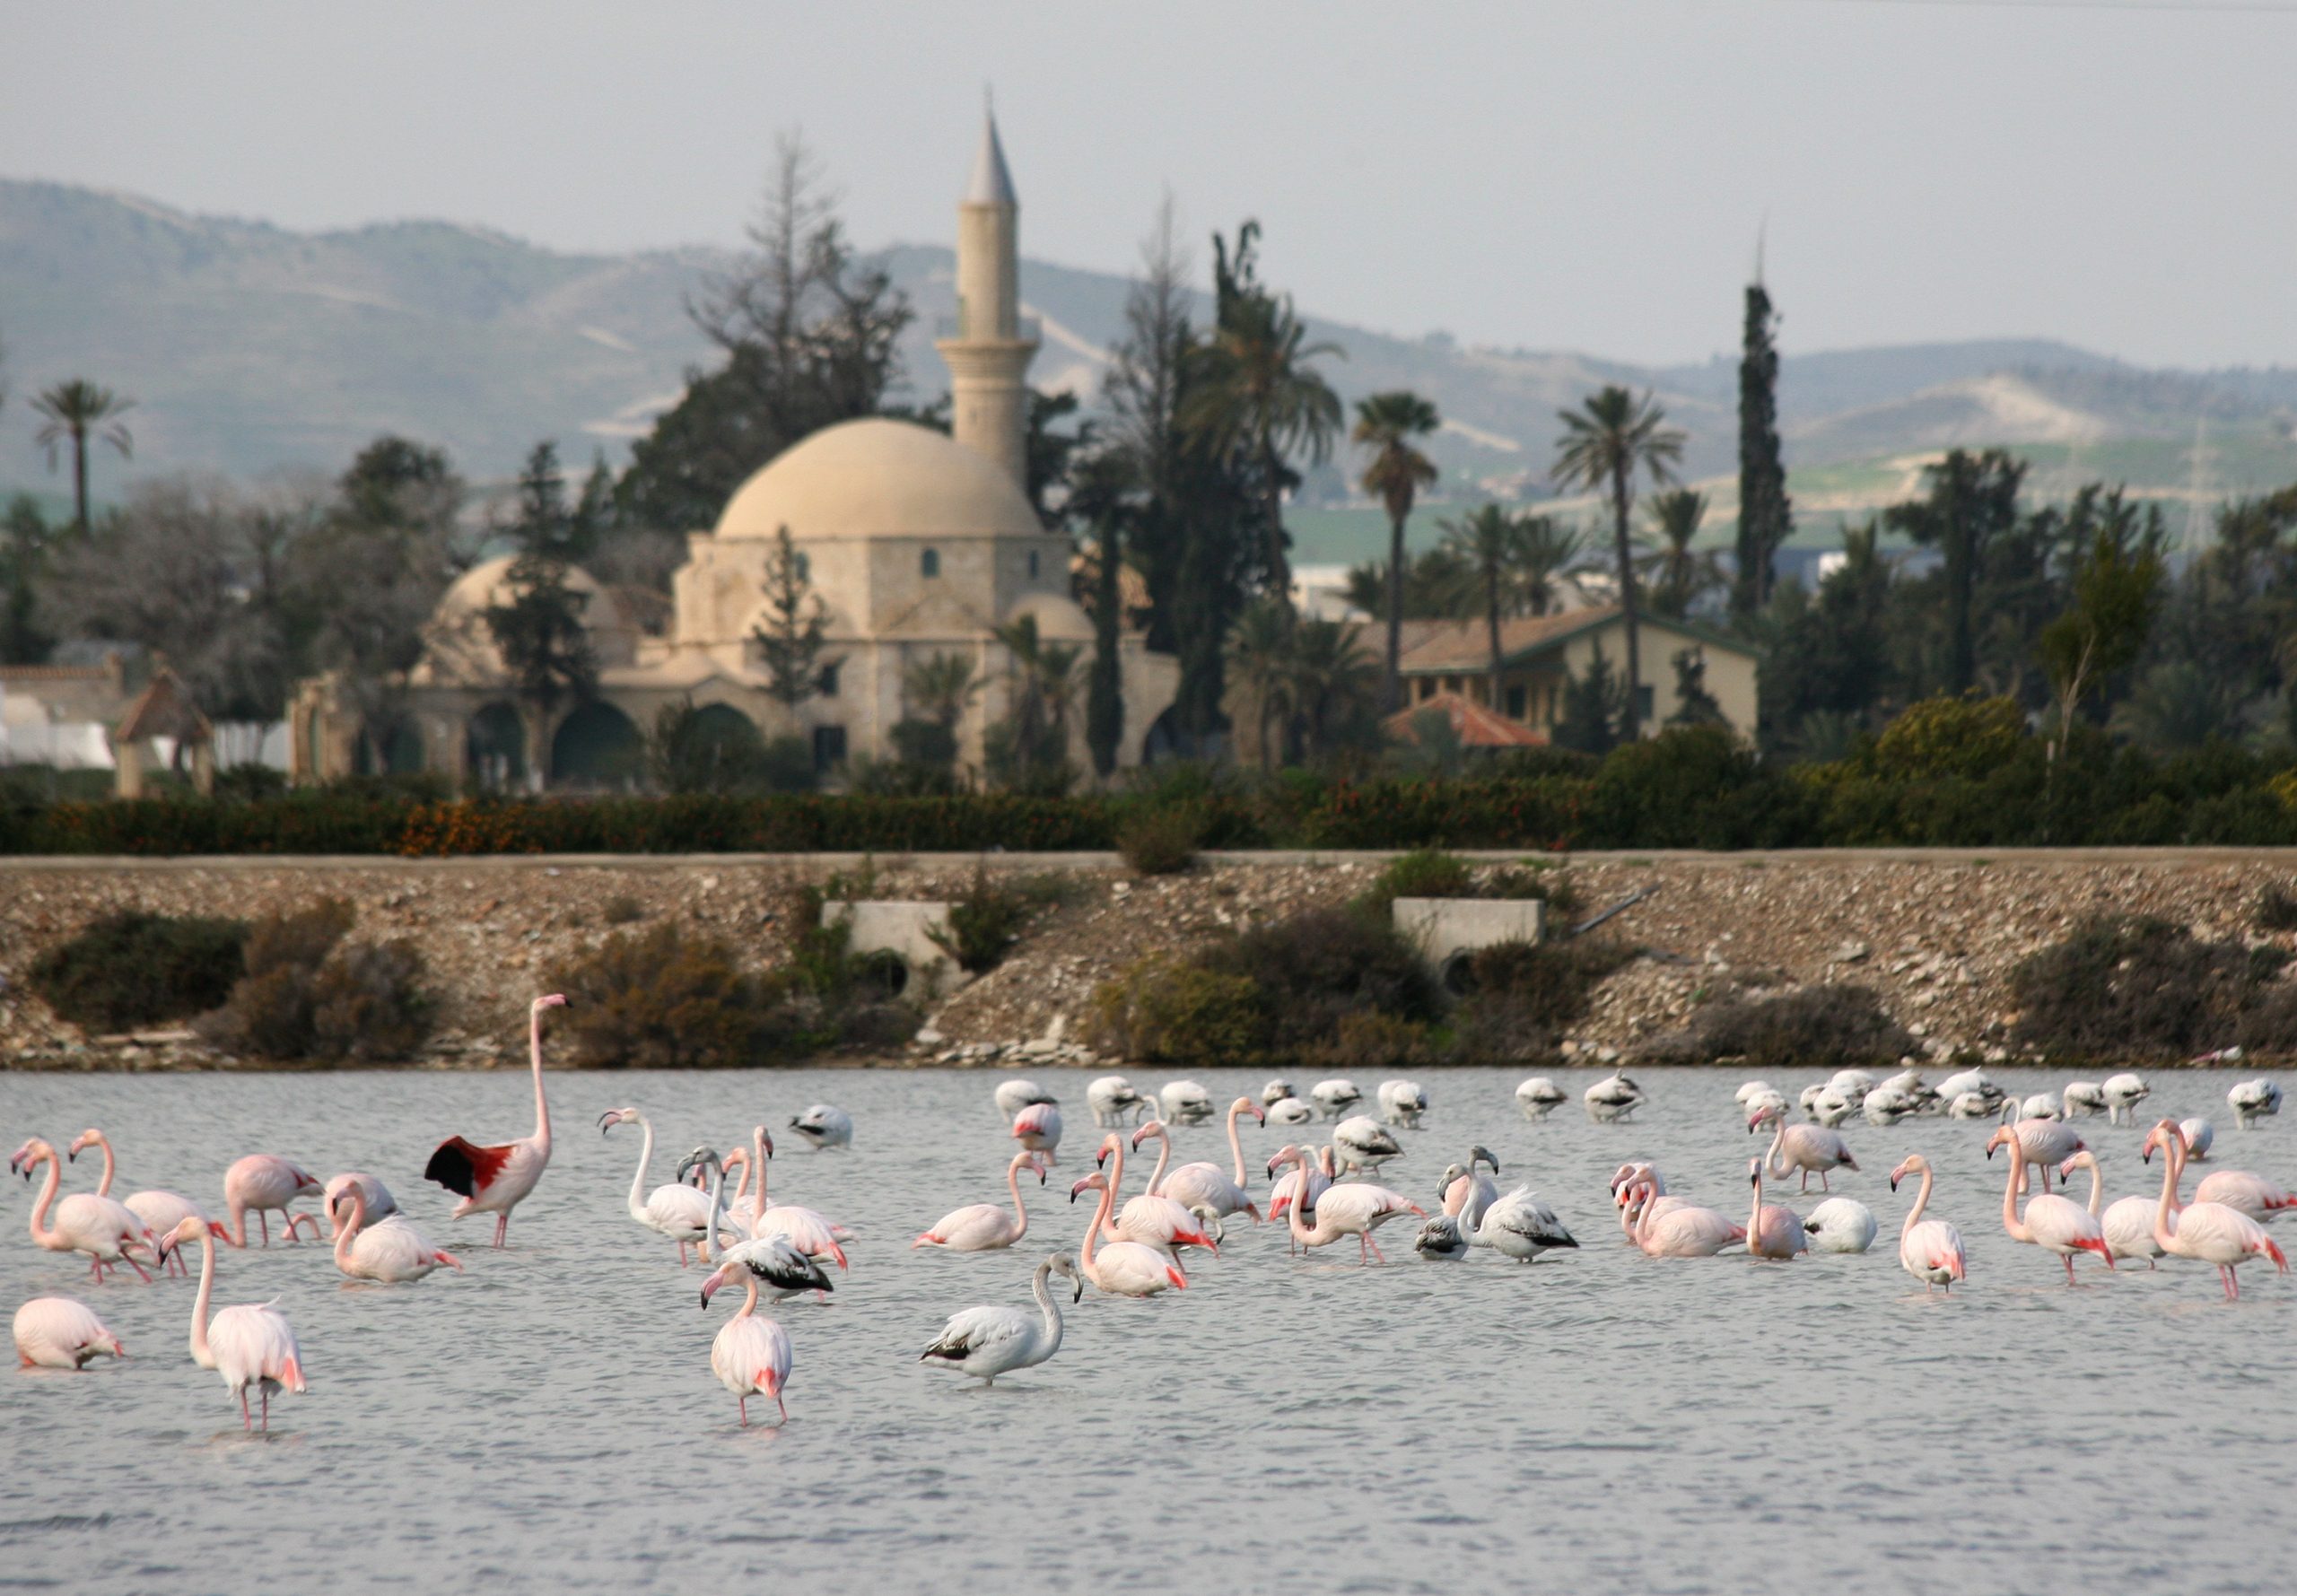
point(1476, 727)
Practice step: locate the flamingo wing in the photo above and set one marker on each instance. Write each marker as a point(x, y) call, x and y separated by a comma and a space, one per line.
point(975, 1330)
point(466, 1168)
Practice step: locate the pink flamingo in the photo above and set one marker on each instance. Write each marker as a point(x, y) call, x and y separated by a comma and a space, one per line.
point(1038, 1127)
point(380, 1203)
point(390, 1251)
point(495, 1180)
point(161, 1211)
point(265, 1182)
point(1812, 1148)
point(1682, 1231)
point(1315, 1178)
point(85, 1222)
point(1772, 1231)
point(2046, 1144)
point(803, 1228)
point(1153, 1221)
point(248, 1345)
point(985, 1226)
point(2128, 1224)
point(1120, 1268)
point(750, 1355)
point(1357, 1209)
point(2243, 1192)
point(1623, 1183)
point(61, 1333)
point(2208, 1231)
point(1930, 1250)
point(2052, 1223)
point(1201, 1184)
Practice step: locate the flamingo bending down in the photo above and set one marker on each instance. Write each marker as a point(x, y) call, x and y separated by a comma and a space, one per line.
point(1315, 1179)
point(380, 1203)
point(159, 1211)
point(2199, 1135)
point(1357, 1209)
point(1840, 1224)
point(806, 1229)
point(1518, 1226)
point(2046, 1144)
point(1401, 1102)
point(1772, 1231)
point(1930, 1250)
point(1204, 1184)
point(264, 1183)
point(1680, 1229)
point(1537, 1097)
point(62, 1333)
point(988, 1341)
point(2253, 1100)
point(985, 1226)
point(2128, 1224)
point(2208, 1231)
point(1153, 1221)
point(1110, 1097)
point(1813, 1150)
point(390, 1250)
point(1362, 1142)
point(2123, 1093)
point(495, 1180)
point(677, 1210)
point(2054, 1223)
point(1335, 1097)
point(822, 1126)
point(252, 1345)
point(1014, 1095)
point(1038, 1127)
point(2242, 1191)
point(750, 1355)
point(1120, 1268)
point(105, 1230)
point(1612, 1098)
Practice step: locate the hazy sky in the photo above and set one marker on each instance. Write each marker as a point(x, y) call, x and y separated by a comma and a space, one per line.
point(1584, 174)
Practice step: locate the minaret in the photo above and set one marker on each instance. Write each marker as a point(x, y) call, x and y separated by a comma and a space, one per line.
point(989, 353)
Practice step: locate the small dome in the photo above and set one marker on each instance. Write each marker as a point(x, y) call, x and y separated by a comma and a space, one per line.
point(1060, 619)
point(487, 584)
point(879, 478)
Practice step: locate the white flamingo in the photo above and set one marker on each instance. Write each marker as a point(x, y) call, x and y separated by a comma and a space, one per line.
point(674, 1210)
point(990, 1341)
point(1813, 1150)
point(1120, 1268)
point(822, 1127)
point(985, 1226)
point(108, 1232)
point(252, 1346)
point(62, 1333)
point(390, 1251)
point(2208, 1231)
point(1930, 1250)
point(1357, 1209)
point(1202, 1183)
point(159, 1211)
point(750, 1354)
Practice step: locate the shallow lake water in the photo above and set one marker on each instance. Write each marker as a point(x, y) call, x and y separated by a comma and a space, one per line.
point(1595, 1421)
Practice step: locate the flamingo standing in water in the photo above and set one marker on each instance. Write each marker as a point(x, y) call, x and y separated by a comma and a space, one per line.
point(1038, 1127)
point(1683, 1230)
point(248, 1345)
point(2241, 1192)
point(1153, 1221)
point(782, 1270)
point(2128, 1224)
point(676, 1210)
point(380, 1203)
point(1930, 1250)
point(265, 1183)
point(390, 1250)
point(62, 1333)
point(161, 1211)
point(2208, 1231)
point(1357, 1209)
point(750, 1355)
point(1120, 1268)
point(1772, 1231)
point(1813, 1150)
point(98, 1227)
point(495, 1180)
point(985, 1226)
point(1205, 1184)
point(2054, 1223)
point(987, 1341)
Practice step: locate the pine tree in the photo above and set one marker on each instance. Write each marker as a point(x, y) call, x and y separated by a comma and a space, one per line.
point(1593, 706)
point(1766, 516)
point(795, 631)
point(1694, 704)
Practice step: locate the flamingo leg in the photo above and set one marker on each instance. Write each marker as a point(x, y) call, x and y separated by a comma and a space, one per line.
point(265, 1393)
point(2069, 1268)
point(681, 1254)
point(778, 1402)
point(1369, 1242)
point(744, 1404)
point(263, 1219)
point(247, 1419)
point(136, 1267)
point(501, 1229)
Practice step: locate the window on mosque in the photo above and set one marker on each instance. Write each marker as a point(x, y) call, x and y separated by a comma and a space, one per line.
point(928, 563)
point(829, 747)
point(826, 683)
point(1033, 565)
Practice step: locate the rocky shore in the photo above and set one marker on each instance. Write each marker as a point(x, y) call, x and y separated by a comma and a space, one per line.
point(1935, 935)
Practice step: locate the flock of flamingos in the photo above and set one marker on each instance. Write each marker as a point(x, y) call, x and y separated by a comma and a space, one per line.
point(1134, 1247)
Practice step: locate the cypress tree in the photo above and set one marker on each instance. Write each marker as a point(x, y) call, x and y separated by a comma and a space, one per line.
point(1766, 518)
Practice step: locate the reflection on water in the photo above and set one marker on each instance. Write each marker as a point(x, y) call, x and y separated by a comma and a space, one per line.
point(1615, 1423)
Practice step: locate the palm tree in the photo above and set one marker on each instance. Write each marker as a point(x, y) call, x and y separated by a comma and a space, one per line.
point(1385, 424)
point(76, 410)
point(1333, 680)
point(1547, 552)
point(1490, 543)
point(1044, 688)
point(1604, 443)
point(1679, 577)
point(1260, 394)
point(941, 687)
point(1260, 663)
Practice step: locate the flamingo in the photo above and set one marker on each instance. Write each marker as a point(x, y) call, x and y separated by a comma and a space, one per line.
point(1363, 1143)
point(1016, 1095)
point(1812, 1148)
point(1612, 1098)
point(779, 1266)
point(105, 1230)
point(1975, 1084)
point(2243, 1192)
point(2054, 1223)
point(2199, 1134)
point(265, 1183)
point(1760, 1095)
point(823, 1126)
point(1110, 1097)
point(1120, 1268)
point(1356, 1209)
point(495, 1180)
point(1930, 1250)
point(2122, 1092)
point(1401, 1102)
point(1672, 1228)
point(1315, 1181)
point(1518, 1226)
point(1537, 1097)
point(1887, 1105)
point(1624, 1181)
point(159, 1211)
point(1441, 1238)
point(2128, 1224)
point(1335, 1097)
point(1853, 1084)
point(1289, 1111)
point(1153, 1221)
point(62, 1333)
point(987, 1341)
point(380, 1203)
point(1038, 1127)
point(2208, 1231)
point(1204, 1183)
point(390, 1251)
point(2085, 1098)
point(676, 1210)
point(248, 1345)
point(985, 1226)
point(1467, 1193)
point(2042, 1105)
point(750, 1355)
point(1910, 1081)
point(1830, 1108)
point(1772, 1231)
point(1840, 1224)
point(2253, 1100)
point(2047, 1143)
point(804, 1228)
point(1276, 1091)
point(1185, 1103)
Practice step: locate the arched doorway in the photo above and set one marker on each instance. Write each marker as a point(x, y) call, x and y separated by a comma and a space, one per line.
point(494, 749)
point(712, 748)
point(394, 751)
point(596, 746)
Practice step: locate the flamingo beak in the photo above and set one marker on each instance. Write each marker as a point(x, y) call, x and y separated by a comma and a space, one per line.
point(710, 1286)
point(1894, 1179)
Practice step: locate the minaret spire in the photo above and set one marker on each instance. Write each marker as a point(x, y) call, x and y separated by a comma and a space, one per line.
point(989, 354)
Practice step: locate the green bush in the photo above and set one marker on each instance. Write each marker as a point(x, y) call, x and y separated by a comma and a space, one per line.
point(307, 994)
point(1540, 987)
point(2137, 987)
point(1161, 841)
point(1423, 872)
point(1175, 1011)
point(983, 924)
point(663, 998)
point(1817, 1027)
point(135, 969)
point(1316, 968)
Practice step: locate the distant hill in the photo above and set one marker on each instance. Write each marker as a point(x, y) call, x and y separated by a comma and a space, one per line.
point(249, 348)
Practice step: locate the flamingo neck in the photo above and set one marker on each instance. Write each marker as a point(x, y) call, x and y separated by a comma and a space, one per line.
point(2172, 1166)
point(645, 1158)
point(1754, 1214)
point(104, 1187)
point(1774, 1159)
point(350, 1231)
point(1117, 1171)
point(749, 1300)
point(1235, 1149)
point(707, 1244)
point(1043, 1286)
point(1092, 1228)
point(542, 1103)
point(1301, 1232)
point(2010, 1190)
point(1921, 1201)
point(1164, 1154)
point(201, 1353)
point(41, 1234)
point(2097, 1189)
point(1013, 1185)
point(758, 1162)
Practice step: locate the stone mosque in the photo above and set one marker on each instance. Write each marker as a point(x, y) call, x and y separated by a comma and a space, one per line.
point(917, 544)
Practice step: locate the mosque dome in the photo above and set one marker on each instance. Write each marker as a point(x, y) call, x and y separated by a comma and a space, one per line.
point(487, 585)
point(879, 478)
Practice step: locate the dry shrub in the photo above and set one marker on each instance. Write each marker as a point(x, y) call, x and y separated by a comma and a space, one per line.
point(2138, 988)
point(369, 1005)
point(136, 969)
point(1816, 1027)
point(1369, 1040)
point(1161, 841)
point(1314, 969)
point(2276, 909)
point(308, 994)
point(622, 910)
point(1175, 1011)
point(667, 998)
